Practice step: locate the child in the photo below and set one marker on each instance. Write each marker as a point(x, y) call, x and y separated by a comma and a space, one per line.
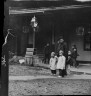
point(69, 62)
point(61, 63)
point(52, 63)
point(74, 55)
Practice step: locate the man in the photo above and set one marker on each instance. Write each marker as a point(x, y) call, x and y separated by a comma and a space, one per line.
point(47, 53)
point(61, 45)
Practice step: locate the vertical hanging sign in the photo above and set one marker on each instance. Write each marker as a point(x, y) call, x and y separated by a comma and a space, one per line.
point(4, 70)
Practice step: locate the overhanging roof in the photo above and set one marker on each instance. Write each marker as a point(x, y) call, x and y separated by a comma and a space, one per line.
point(19, 10)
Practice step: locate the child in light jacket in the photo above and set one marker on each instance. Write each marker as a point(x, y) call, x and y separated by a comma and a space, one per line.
point(52, 63)
point(61, 64)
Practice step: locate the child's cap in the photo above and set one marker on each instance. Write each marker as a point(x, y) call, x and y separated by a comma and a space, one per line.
point(69, 52)
point(52, 53)
point(61, 51)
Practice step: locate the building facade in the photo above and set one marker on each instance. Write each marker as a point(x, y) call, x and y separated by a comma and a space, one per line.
point(70, 19)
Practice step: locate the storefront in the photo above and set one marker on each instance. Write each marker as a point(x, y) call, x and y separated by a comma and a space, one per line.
point(53, 20)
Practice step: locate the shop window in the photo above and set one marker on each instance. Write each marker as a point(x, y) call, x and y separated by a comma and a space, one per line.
point(87, 42)
point(25, 29)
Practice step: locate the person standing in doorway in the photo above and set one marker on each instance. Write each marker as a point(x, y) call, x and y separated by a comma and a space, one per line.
point(47, 53)
point(62, 45)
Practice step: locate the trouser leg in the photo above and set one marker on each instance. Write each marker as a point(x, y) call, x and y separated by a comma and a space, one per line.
point(54, 71)
point(60, 72)
point(71, 62)
point(63, 73)
point(74, 62)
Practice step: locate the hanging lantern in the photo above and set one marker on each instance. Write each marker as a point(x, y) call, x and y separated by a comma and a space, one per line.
point(34, 23)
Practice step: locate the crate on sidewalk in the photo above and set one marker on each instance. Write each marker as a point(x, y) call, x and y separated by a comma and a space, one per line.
point(29, 56)
point(28, 59)
point(29, 49)
point(35, 59)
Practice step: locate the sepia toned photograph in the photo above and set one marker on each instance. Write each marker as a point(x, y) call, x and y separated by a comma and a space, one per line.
point(46, 48)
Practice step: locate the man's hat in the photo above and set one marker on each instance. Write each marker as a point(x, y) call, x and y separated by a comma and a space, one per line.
point(61, 37)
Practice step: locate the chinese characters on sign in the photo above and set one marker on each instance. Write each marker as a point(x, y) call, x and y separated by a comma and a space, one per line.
point(3, 61)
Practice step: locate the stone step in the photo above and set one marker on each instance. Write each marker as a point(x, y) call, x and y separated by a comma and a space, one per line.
point(29, 53)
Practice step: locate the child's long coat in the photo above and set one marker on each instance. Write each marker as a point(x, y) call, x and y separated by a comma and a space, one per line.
point(53, 63)
point(61, 62)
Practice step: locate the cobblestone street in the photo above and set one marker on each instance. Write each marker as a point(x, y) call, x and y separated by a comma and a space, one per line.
point(45, 86)
point(49, 87)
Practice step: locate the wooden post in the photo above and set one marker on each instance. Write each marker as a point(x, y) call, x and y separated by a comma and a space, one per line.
point(5, 54)
point(34, 38)
point(52, 33)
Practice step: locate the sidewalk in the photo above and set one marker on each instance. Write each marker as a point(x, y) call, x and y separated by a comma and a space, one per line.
point(82, 68)
point(24, 78)
point(85, 69)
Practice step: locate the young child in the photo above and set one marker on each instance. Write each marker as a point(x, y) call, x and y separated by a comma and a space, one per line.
point(61, 63)
point(74, 55)
point(69, 62)
point(52, 63)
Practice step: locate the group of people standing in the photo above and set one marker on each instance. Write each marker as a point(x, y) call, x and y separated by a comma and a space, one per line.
point(61, 58)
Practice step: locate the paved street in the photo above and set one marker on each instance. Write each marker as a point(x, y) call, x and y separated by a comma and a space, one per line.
point(27, 80)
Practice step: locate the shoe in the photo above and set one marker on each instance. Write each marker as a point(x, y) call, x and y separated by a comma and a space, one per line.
point(54, 74)
point(59, 76)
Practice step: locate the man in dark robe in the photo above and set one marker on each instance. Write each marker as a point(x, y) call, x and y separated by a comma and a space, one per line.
point(62, 45)
point(47, 51)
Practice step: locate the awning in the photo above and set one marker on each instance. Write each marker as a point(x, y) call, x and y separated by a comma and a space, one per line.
point(19, 10)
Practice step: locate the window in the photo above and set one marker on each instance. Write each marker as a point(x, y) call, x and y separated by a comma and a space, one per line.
point(87, 42)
